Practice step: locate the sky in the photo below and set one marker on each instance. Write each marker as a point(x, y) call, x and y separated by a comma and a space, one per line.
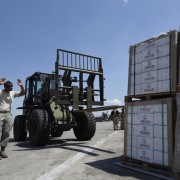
point(32, 30)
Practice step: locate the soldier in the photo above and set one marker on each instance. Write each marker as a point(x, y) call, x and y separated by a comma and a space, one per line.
point(115, 119)
point(6, 98)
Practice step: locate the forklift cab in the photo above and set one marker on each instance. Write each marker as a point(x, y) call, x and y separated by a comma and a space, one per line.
point(37, 86)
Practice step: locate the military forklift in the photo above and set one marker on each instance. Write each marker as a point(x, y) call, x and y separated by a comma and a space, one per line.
point(62, 100)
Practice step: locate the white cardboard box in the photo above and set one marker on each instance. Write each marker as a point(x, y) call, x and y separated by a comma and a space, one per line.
point(129, 151)
point(132, 152)
point(136, 79)
point(137, 68)
point(145, 119)
point(151, 87)
point(149, 65)
point(160, 118)
point(139, 48)
point(163, 74)
point(161, 158)
point(163, 62)
point(145, 143)
point(163, 86)
point(132, 141)
point(157, 108)
point(132, 118)
point(160, 144)
point(131, 91)
point(137, 58)
point(134, 109)
point(145, 155)
point(160, 131)
point(129, 109)
point(149, 76)
point(132, 130)
point(138, 89)
point(145, 108)
point(163, 50)
point(149, 45)
point(149, 54)
point(163, 40)
point(145, 131)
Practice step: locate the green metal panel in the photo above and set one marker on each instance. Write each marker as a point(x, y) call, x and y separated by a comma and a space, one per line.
point(60, 114)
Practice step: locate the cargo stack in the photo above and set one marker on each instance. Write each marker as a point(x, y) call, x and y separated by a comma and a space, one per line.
point(150, 106)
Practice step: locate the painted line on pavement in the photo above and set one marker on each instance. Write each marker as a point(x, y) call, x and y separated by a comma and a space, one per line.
point(54, 173)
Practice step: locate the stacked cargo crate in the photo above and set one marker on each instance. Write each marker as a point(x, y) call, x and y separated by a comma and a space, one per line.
point(150, 103)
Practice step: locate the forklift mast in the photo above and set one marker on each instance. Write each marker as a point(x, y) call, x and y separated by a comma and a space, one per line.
point(79, 80)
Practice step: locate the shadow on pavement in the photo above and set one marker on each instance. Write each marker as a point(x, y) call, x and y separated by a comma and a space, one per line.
point(108, 165)
point(68, 144)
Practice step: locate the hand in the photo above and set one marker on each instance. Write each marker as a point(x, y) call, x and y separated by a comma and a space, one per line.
point(19, 82)
point(2, 80)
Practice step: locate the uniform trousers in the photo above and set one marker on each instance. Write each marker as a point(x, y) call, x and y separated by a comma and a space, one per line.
point(5, 128)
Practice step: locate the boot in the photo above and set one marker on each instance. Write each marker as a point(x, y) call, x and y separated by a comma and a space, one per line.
point(3, 154)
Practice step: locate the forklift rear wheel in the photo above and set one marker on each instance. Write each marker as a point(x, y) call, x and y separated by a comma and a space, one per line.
point(19, 128)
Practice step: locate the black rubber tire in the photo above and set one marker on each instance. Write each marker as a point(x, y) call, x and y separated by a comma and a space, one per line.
point(86, 125)
point(19, 128)
point(39, 127)
point(56, 133)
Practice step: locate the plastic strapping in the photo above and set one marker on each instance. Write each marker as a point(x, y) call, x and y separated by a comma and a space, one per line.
point(170, 63)
point(134, 68)
point(131, 127)
point(162, 131)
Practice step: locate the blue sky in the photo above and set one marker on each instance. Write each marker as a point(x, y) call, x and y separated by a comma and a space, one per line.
point(32, 30)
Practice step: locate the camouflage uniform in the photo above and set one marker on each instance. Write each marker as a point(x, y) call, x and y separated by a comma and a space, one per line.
point(7, 122)
point(115, 119)
point(6, 98)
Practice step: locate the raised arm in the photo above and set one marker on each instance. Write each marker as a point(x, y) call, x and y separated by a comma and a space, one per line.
point(22, 88)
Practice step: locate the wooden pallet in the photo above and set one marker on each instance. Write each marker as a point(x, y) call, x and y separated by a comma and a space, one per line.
point(176, 174)
point(147, 166)
point(153, 96)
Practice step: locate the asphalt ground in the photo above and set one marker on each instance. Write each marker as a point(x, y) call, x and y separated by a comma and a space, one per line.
point(65, 158)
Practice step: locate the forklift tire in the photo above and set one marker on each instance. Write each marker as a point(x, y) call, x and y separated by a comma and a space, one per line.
point(19, 128)
point(39, 127)
point(86, 125)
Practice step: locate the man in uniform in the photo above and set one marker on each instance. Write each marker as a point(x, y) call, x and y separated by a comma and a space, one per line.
point(6, 99)
point(115, 118)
